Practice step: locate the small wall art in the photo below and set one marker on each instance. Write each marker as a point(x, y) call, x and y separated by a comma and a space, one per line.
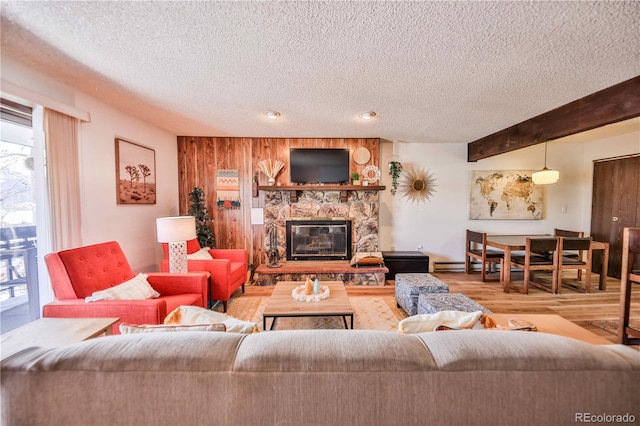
point(417, 185)
point(135, 173)
point(504, 194)
point(228, 189)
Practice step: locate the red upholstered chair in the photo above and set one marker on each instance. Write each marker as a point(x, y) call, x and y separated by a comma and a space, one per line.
point(228, 269)
point(78, 272)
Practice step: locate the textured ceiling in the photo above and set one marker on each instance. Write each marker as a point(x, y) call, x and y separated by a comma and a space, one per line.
point(433, 71)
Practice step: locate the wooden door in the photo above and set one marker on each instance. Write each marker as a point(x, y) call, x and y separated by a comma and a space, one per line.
point(615, 205)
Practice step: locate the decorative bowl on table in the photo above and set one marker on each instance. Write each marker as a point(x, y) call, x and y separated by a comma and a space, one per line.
point(300, 295)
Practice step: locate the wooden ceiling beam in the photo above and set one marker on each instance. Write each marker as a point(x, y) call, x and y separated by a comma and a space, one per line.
point(616, 103)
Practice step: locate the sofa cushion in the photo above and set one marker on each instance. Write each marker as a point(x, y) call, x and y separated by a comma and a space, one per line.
point(503, 350)
point(137, 288)
point(337, 351)
point(132, 329)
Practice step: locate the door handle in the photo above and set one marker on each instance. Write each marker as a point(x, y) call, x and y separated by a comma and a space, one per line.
point(616, 218)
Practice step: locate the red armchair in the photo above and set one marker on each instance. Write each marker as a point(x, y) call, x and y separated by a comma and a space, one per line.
point(77, 273)
point(228, 269)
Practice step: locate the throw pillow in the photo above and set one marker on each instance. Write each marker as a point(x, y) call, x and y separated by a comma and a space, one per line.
point(202, 254)
point(137, 288)
point(198, 315)
point(132, 329)
point(429, 322)
point(367, 259)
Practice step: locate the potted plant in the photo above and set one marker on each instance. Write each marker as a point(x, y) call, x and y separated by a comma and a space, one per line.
point(355, 177)
point(198, 210)
point(395, 168)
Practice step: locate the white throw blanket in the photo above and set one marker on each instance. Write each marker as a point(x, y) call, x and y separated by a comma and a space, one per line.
point(197, 315)
point(428, 322)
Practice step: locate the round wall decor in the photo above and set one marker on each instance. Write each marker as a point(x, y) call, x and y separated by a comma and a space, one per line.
point(417, 185)
point(361, 155)
point(371, 174)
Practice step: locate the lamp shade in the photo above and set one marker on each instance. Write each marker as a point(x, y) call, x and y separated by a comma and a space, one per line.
point(545, 176)
point(177, 228)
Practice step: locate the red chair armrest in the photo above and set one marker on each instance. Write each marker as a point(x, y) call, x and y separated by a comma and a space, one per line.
point(190, 282)
point(149, 311)
point(234, 255)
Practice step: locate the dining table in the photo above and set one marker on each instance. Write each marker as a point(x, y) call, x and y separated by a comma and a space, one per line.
point(517, 242)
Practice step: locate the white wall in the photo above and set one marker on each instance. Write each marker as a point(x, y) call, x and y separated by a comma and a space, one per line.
point(133, 226)
point(439, 224)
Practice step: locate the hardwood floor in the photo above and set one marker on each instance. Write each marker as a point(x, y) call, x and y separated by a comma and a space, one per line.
point(573, 305)
point(570, 304)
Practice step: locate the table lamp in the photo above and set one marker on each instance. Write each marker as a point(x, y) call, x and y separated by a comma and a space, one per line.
point(176, 231)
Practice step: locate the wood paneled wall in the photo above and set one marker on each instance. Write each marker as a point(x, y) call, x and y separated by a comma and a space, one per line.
point(199, 158)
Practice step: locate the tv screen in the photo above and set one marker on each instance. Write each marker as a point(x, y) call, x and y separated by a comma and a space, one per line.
point(319, 165)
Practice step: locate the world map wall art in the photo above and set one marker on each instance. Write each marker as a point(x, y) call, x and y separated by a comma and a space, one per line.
point(504, 194)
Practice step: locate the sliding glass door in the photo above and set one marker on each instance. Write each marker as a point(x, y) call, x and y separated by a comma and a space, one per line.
point(22, 218)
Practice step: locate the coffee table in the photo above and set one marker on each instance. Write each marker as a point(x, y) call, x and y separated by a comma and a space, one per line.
point(53, 332)
point(553, 324)
point(282, 304)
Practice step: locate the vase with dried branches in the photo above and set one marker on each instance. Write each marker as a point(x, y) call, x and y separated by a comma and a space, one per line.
point(271, 168)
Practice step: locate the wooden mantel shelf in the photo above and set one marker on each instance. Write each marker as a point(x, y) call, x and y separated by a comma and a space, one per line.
point(344, 189)
point(322, 188)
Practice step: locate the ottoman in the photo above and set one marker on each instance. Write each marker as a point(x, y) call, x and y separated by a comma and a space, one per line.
point(433, 303)
point(409, 286)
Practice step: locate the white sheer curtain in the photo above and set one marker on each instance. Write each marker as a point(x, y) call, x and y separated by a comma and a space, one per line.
point(63, 176)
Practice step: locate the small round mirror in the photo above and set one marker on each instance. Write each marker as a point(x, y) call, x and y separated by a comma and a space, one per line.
point(418, 185)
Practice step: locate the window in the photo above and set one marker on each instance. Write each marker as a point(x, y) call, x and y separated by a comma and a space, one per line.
point(19, 216)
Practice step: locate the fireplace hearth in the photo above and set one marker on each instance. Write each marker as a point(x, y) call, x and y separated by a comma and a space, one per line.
point(318, 239)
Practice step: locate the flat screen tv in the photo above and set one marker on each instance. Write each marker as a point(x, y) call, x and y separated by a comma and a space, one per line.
point(319, 165)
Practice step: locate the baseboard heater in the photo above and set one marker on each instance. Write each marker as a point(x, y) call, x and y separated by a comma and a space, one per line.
point(448, 266)
point(458, 266)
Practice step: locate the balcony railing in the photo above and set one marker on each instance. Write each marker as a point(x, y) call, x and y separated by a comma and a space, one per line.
point(19, 269)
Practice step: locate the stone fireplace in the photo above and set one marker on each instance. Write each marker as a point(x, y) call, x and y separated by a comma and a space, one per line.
point(349, 222)
point(361, 207)
point(318, 238)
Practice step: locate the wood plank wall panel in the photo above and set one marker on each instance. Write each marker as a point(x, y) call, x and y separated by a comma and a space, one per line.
point(199, 158)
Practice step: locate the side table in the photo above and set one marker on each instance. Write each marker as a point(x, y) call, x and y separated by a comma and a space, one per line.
point(402, 262)
point(53, 332)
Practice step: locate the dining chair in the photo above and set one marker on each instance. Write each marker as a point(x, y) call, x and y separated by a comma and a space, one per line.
point(573, 245)
point(476, 247)
point(567, 253)
point(629, 276)
point(531, 261)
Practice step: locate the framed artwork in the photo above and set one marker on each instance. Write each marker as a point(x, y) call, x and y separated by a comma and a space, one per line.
point(135, 173)
point(504, 194)
point(228, 189)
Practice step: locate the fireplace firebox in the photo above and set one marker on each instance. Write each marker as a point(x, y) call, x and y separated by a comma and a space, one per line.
point(318, 239)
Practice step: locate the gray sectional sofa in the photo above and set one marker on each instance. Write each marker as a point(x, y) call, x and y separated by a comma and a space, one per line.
point(321, 377)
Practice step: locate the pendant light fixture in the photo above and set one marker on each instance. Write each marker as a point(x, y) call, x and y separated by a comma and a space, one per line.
point(545, 176)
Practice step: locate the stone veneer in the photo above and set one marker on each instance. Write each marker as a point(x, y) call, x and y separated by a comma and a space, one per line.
point(362, 207)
